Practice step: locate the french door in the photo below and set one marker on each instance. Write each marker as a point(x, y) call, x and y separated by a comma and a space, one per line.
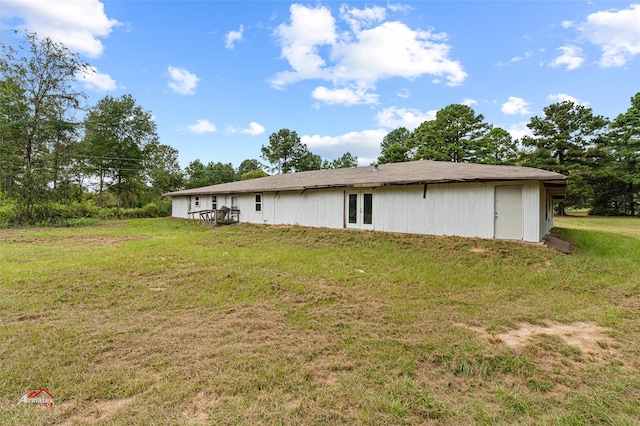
point(359, 210)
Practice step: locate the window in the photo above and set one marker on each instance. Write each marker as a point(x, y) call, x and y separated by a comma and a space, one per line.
point(197, 202)
point(214, 202)
point(258, 202)
point(367, 217)
point(353, 208)
point(234, 202)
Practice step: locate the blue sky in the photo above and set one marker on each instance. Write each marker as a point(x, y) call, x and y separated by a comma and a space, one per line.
point(220, 76)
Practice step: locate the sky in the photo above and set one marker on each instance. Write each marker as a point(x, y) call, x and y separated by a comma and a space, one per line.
point(220, 76)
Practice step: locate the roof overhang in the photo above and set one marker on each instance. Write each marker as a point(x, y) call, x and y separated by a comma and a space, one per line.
point(557, 189)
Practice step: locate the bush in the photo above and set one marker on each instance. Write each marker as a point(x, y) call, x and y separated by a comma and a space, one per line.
point(75, 213)
point(7, 212)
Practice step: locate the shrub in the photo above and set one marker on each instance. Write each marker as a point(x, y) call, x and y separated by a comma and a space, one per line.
point(74, 213)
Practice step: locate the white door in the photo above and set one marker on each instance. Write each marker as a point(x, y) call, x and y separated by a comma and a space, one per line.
point(508, 212)
point(359, 210)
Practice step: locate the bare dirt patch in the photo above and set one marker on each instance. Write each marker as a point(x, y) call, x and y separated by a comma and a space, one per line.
point(591, 339)
point(196, 413)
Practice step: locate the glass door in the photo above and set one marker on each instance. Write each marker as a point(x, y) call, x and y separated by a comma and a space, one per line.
point(359, 211)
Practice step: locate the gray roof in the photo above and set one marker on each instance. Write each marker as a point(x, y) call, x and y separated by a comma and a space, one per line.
point(414, 172)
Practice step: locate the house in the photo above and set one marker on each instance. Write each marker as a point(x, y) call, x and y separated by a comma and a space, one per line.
point(420, 197)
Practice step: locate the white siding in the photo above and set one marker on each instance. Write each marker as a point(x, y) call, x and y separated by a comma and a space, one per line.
point(321, 208)
point(180, 207)
point(530, 211)
point(447, 209)
point(546, 212)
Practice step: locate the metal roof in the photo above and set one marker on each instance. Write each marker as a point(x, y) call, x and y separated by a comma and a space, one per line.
point(414, 172)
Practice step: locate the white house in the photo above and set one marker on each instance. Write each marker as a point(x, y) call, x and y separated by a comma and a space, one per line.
point(420, 197)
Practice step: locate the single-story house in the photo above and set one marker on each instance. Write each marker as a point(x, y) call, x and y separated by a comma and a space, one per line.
point(420, 197)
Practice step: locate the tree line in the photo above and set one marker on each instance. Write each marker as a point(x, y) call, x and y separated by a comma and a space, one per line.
point(55, 165)
point(600, 157)
point(49, 159)
point(112, 158)
point(285, 153)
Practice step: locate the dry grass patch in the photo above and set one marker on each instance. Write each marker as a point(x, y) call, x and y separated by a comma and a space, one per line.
point(176, 323)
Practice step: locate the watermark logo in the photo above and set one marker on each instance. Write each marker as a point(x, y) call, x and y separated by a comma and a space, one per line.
point(37, 397)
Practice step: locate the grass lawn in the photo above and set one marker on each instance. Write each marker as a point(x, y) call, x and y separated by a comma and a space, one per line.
point(163, 321)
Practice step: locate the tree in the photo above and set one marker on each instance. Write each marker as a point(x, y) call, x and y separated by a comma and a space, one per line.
point(456, 134)
point(196, 175)
point(286, 153)
point(249, 165)
point(395, 146)
point(222, 173)
point(617, 176)
point(306, 161)
point(38, 84)
point(13, 113)
point(117, 134)
point(345, 161)
point(199, 175)
point(250, 169)
point(560, 142)
point(497, 147)
point(253, 174)
point(162, 169)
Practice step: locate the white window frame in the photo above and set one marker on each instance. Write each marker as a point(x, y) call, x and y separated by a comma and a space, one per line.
point(234, 202)
point(197, 201)
point(214, 202)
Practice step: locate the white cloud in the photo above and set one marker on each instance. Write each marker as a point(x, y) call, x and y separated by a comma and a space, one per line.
point(309, 29)
point(394, 50)
point(232, 37)
point(616, 32)
point(519, 131)
point(469, 102)
point(561, 97)
point(514, 106)
point(76, 24)
point(202, 126)
point(404, 93)
point(95, 80)
point(254, 129)
point(182, 81)
point(526, 55)
point(344, 96)
point(358, 18)
point(566, 24)
point(399, 7)
point(370, 50)
point(364, 144)
point(394, 118)
point(572, 57)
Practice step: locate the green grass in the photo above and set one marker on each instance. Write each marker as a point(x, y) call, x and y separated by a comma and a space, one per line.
point(160, 321)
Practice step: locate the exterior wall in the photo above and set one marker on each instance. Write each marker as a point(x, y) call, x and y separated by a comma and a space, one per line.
point(531, 211)
point(465, 210)
point(319, 208)
point(546, 212)
point(446, 209)
point(181, 206)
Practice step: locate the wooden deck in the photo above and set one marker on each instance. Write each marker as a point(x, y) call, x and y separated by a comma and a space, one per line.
point(216, 217)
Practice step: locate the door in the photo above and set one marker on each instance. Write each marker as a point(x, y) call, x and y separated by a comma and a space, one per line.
point(508, 212)
point(359, 210)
